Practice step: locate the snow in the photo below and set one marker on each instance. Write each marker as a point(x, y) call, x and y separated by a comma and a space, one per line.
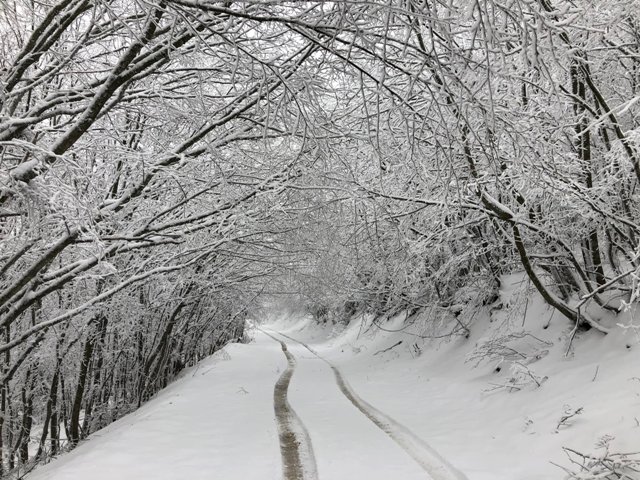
point(214, 422)
point(488, 423)
point(346, 443)
point(492, 433)
point(24, 168)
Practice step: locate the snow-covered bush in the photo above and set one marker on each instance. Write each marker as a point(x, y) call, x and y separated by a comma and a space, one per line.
point(601, 465)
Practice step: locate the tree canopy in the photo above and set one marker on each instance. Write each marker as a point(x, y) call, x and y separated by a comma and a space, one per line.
point(167, 164)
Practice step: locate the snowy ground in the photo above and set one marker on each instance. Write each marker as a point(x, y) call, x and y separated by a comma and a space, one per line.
point(425, 407)
point(214, 422)
point(218, 420)
point(487, 414)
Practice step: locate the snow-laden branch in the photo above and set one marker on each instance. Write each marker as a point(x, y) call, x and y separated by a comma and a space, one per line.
point(99, 298)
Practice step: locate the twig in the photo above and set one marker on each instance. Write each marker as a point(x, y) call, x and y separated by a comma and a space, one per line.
point(387, 349)
point(568, 415)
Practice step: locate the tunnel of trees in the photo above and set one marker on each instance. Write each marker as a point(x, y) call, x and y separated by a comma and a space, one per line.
point(166, 164)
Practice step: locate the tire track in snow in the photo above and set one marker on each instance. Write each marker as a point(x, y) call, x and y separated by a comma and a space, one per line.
point(298, 460)
point(430, 461)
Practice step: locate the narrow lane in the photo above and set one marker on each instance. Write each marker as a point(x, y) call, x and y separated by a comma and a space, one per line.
point(431, 462)
point(347, 445)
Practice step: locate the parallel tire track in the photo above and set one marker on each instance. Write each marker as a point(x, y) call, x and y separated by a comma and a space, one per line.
point(298, 460)
point(430, 461)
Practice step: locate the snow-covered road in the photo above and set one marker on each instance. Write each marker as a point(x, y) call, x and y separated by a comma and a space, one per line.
point(347, 444)
point(218, 422)
point(358, 439)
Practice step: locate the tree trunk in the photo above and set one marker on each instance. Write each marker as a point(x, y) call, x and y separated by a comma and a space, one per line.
point(83, 373)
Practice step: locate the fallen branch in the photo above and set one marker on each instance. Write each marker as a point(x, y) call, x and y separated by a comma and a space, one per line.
point(387, 349)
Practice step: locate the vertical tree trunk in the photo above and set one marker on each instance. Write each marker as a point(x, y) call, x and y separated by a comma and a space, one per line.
point(54, 427)
point(22, 444)
point(4, 399)
point(591, 243)
point(53, 392)
point(98, 362)
point(83, 373)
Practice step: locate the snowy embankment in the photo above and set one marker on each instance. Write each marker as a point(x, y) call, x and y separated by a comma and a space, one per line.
point(497, 404)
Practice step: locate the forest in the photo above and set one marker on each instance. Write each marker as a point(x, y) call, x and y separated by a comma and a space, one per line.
point(167, 165)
